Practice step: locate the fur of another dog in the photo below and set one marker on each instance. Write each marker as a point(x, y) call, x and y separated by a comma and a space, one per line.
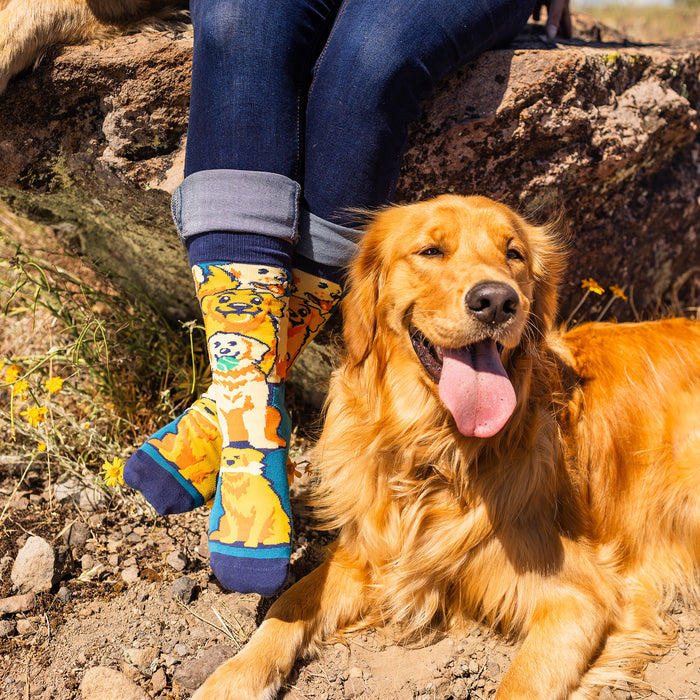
point(570, 528)
point(29, 27)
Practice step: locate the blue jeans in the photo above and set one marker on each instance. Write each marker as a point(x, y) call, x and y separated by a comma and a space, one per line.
point(309, 101)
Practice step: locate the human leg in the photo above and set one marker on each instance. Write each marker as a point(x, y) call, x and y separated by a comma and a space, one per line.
point(237, 211)
point(382, 59)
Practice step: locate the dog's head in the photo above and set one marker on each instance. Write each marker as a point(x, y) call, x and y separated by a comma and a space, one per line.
point(447, 290)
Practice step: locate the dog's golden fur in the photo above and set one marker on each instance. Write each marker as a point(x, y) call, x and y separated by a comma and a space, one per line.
point(570, 529)
point(29, 27)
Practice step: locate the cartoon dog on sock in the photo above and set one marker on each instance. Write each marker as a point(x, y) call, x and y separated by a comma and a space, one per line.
point(254, 514)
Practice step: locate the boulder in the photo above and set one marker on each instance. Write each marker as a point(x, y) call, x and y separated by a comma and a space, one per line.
point(597, 130)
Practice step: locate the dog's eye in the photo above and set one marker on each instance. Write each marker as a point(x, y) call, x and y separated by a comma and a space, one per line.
point(432, 252)
point(514, 254)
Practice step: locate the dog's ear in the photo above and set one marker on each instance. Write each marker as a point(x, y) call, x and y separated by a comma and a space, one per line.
point(360, 303)
point(548, 252)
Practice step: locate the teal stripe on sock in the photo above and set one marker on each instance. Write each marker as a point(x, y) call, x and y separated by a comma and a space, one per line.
point(259, 552)
point(157, 457)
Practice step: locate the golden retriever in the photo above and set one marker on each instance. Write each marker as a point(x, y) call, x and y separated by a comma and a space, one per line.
point(482, 464)
point(29, 27)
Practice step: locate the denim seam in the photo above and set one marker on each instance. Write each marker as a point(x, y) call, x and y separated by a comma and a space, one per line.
point(322, 55)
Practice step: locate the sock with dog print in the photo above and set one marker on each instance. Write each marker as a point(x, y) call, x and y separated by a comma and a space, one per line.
point(245, 318)
point(316, 293)
point(177, 466)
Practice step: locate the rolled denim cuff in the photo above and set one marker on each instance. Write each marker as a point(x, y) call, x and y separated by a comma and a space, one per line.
point(240, 201)
point(325, 242)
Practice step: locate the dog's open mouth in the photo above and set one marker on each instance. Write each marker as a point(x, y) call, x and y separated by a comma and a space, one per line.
point(472, 383)
point(429, 355)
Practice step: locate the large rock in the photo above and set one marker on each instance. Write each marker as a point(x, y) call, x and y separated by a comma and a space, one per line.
point(92, 143)
point(34, 569)
point(104, 683)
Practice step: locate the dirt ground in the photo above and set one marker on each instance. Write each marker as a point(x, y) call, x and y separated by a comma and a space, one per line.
point(116, 606)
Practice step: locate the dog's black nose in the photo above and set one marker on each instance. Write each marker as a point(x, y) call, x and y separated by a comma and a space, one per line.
point(492, 302)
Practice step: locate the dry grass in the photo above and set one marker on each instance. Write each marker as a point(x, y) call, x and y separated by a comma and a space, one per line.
point(86, 371)
point(650, 23)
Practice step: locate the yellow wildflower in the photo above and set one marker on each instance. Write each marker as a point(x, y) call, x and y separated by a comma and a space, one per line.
point(114, 472)
point(618, 292)
point(11, 374)
point(20, 389)
point(294, 471)
point(41, 447)
point(35, 415)
point(592, 285)
point(54, 385)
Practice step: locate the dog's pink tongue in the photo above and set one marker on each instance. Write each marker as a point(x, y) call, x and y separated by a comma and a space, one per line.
point(476, 389)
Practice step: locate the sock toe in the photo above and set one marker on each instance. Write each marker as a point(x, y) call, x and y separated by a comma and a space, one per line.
point(250, 574)
point(155, 479)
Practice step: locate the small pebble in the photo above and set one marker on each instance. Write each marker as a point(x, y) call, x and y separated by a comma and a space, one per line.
point(91, 499)
point(17, 603)
point(68, 491)
point(76, 535)
point(7, 628)
point(65, 595)
point(192, 673)
point(203, 547)
point(159, 681)
point(96, 520)
point(130, 575)
point(183, 589)
point(459, 689)
point(352, 688)
point(142, 657)
point(27, 626)
point(178, 560)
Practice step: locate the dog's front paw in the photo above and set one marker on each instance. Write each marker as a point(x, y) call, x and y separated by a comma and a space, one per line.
point(239, 679)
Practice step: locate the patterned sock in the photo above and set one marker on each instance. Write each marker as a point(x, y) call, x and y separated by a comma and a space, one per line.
point(176, 469)
point(316, 293)
point(245, 319)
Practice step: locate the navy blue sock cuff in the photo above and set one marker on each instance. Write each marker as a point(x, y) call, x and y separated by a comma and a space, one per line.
point(230, 247)
point(330, 273)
